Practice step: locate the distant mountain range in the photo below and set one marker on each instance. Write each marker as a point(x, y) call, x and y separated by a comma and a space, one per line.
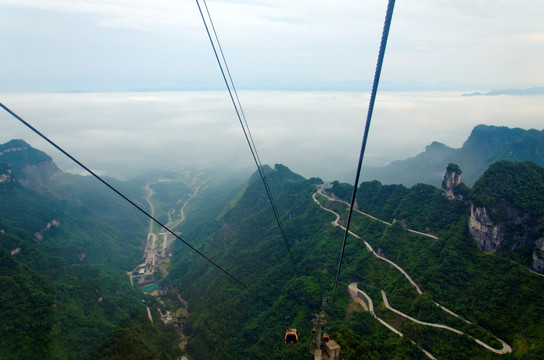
point(537, 90)
point(485, 146)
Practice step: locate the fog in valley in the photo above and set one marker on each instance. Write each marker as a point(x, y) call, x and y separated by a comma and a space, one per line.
point(313, 133)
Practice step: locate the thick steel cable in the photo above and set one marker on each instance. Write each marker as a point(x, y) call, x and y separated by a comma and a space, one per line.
point(383, 44)
point(247, 134)
point(40, 134)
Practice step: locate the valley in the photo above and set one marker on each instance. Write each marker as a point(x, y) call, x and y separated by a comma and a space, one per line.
point(409, 252)
point(157, 251)
point(157, 257)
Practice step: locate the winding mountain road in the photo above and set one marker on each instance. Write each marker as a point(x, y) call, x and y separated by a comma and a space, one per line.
point(152, 209)
point(368, 246)
point(375, 218)
point(362, 298)
point(505, 347)
point(358, 295)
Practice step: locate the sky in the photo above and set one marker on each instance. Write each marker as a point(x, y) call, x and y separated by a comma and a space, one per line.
point(124, 84)
point(126, 45)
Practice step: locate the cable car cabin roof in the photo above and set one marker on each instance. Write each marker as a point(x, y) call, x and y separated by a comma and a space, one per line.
point(291, 336)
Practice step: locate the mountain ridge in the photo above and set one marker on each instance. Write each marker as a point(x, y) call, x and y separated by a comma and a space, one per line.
point(485, 145)
point(450, 268)
point(239, 232)
point(64, 249)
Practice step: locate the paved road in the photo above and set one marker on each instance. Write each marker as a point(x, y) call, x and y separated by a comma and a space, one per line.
point(152, 209)
point(367, 303)
point(505, 347)
point(375, 218)
point(369, 306)
point(369, 248)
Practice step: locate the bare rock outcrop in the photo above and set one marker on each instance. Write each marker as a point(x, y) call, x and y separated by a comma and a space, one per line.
point(538, 256)
point(452, 179)
point(484, 231)
point(6, 177)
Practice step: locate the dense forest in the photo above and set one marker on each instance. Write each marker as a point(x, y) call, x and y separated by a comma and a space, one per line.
point(500, 298)
point(66, 244)
point(64, 251)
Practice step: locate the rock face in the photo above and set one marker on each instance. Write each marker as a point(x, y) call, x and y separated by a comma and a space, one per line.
point(507, 212)
point(6, 176)
point(492, 237)
point(538, 257)
point(36, 175)
point(452, 179)
point(484, 231)
point(30, 167)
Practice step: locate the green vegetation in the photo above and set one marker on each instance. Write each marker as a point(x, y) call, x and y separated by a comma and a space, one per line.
point(64, 251)
point(513, 194)
point(506, 184)
point(499, 297)
point(63, 256)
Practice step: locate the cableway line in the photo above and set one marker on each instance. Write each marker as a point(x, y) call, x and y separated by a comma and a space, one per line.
point(381, 54)
point(111, 187)
point(242, 119)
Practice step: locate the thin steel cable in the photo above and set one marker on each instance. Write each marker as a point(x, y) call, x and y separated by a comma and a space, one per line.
point(129, 200)
point(245, 125)
point(249, 139)
point(232, 82)
point(383, 44)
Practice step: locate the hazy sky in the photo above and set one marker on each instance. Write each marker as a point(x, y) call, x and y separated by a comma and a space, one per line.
point(124, 45)
point(113, 47)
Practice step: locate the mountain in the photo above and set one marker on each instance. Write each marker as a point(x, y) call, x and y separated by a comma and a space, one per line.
point(32, 167)
point(507, 212)
point(537, 90)
point(485, 145)
point(65, 245)
point(499, 299)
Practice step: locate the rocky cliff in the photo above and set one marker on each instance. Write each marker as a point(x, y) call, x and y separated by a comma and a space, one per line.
point(5, 173)
point(507, 212)
point(31, 167)
point(484, 231)
point(538, 257)
point(452, 179)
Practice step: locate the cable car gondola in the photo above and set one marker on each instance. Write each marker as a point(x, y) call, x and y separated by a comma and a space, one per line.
point(291, 336)
point(326, 337)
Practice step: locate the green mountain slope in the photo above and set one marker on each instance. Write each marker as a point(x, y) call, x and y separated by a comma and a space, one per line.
point(501, 299)
point(64, 252)
point(513, 196)
point(65, 244)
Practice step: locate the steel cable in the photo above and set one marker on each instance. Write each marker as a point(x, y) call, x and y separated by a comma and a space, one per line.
point(99, 178)
point(381, 54)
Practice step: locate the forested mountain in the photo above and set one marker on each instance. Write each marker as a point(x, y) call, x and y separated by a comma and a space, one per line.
point(65, 244)
point(507, 213)
point(485, 145)
point(498, 300)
